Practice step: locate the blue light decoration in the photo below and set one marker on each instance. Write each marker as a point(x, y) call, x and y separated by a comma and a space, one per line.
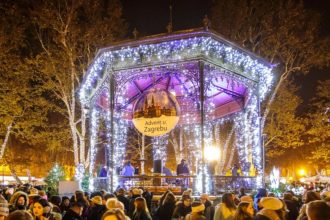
point(247, 77)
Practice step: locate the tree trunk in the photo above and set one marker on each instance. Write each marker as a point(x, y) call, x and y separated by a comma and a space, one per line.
point(4, 144)
point(272, 98)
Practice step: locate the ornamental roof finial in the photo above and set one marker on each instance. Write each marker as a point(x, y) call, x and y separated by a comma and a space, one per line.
point(206, 22)
point(135, 33)
point(169, 27)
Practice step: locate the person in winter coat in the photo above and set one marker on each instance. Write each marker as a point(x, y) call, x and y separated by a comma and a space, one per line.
point(42, 210)
point(19, 201)
point(318, 210)
point(166, 209)
point(135, 194)
point(75, 212)
point(65, 204)
point(4, 210)
point(197, 210)
point(260, 194)
point(20, 215)
point(122, 198)
point(226, 209)
point(141, 211)
point(291, 205)
point(244, 211)
point(271, 209)
point(182, 207)
point(97, 209)
point(209, 208)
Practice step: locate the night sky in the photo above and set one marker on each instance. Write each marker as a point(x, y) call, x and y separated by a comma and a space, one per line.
point(152, 16)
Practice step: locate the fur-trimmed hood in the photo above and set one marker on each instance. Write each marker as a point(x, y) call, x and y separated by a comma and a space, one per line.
point(14, 198)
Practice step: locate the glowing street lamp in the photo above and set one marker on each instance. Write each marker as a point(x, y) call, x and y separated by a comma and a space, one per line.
point(211, 153)
point(302, 172)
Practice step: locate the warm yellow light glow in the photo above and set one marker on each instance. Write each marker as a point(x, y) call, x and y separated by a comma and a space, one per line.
point(211, 153)
point(302, 172)
point(290, 178)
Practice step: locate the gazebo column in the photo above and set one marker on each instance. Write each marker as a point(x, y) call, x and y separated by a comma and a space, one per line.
point(112, 148)
point(202, 118)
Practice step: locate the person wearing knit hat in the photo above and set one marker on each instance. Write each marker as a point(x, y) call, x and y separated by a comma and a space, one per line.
point(4, 210)
point(271, 209)
point(197, 210)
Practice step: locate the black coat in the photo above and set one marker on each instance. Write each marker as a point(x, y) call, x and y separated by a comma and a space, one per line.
point(71, 215)
point(96, 212)
point(293, 208)
point(165, 211)
point(131, 208)
point(181, 210)
point(141, 216)
point(125, 201)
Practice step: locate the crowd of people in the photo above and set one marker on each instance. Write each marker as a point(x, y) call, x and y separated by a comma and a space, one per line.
point(28, 203)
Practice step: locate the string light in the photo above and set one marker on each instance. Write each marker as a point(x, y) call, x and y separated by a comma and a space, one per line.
point(225, 63)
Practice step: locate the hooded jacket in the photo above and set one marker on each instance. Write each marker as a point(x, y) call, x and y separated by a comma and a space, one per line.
point(13, 201)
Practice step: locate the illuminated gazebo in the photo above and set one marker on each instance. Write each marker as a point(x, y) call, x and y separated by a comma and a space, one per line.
point(218, 85)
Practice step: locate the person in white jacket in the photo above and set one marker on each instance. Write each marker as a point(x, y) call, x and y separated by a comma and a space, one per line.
point(226, 209)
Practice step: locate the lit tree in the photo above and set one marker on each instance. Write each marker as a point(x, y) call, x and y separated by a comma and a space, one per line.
point(69, 33)
point(282, 31)
point(55, 175)
point(318, 132)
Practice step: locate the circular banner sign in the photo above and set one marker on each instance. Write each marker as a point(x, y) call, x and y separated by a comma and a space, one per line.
point(156, 113)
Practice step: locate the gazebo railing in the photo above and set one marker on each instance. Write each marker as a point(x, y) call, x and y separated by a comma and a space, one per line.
point(177, 184)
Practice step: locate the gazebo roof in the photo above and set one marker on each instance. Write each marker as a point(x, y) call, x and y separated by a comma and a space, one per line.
point(164, 51)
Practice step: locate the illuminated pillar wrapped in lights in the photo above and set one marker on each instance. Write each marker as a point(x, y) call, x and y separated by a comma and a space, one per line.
point(94, 128)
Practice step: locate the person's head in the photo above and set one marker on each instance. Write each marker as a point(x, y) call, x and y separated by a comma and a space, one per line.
point(318, 210)
point(186, 199)
point(204, 197)
point(241, 191)
point(246, 199)
point(287, 196)
point(113, 203)
point(41, 208)
point(65, 201)
point(79, 195)
point(121, 192)
point(311, 196)
point(197, 208)
point(169, 198)
point(228, 200)
point(77, 207)
point(21, 200)
point(97, 200)
point(261, 193)
point(140, 204)
point(114, 214)
point(244, 210)
point(183, 161)
point(4, 210)
point(56, 200)
point(20, 215)
point(271, 194)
